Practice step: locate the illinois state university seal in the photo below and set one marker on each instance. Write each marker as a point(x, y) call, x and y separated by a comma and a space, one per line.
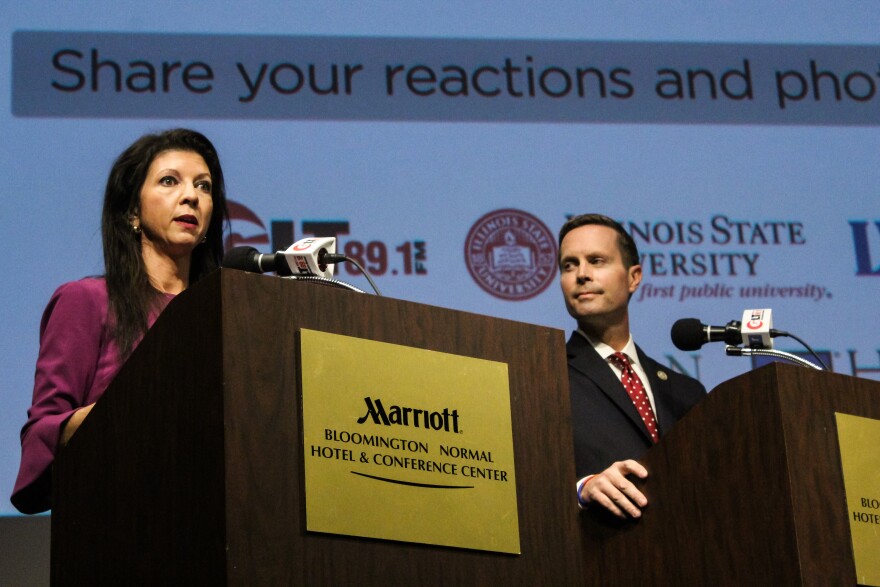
point(511, 254)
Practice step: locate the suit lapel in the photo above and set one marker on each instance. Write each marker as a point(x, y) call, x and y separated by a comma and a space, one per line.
point(583, 358)
point(658, 379)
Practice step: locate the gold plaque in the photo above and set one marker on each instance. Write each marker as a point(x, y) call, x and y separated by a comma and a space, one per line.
point(407, 444)
point(860, 456)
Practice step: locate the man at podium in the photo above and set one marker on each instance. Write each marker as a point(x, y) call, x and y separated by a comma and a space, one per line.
point(622, 401)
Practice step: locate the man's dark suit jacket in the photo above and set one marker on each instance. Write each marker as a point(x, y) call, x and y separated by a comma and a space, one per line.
point(606, 425)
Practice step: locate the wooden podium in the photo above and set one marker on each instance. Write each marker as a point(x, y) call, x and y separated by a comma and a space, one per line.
point(747, 489)
point(189, 470)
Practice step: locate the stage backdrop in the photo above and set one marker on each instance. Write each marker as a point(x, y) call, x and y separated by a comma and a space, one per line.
point(445, 146)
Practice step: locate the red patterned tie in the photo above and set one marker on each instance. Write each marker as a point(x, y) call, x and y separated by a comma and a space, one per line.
point(636, 390)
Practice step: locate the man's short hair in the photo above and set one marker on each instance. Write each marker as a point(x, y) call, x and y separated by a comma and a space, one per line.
point(629, 252)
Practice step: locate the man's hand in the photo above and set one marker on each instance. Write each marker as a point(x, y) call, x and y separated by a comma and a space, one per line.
point(611, 490)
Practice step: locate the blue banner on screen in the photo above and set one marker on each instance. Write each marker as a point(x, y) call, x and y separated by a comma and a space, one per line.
point(116, 75)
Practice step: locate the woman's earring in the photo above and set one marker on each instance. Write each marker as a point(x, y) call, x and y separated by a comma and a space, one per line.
point(135, 228)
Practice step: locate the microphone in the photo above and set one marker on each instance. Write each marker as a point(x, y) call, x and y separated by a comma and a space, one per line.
point(754, 331)
point(249, 259)
point(309, 256)
point(689, 334)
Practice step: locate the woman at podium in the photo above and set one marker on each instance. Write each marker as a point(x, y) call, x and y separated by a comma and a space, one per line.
point(162, 229)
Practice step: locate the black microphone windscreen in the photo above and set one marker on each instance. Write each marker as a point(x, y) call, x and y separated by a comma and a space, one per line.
point(687, 334)
point(243, 258)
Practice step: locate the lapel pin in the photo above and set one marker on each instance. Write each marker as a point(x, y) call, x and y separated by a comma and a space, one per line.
point(662, 375)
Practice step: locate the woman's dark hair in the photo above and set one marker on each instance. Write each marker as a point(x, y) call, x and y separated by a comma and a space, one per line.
point(128, 286)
